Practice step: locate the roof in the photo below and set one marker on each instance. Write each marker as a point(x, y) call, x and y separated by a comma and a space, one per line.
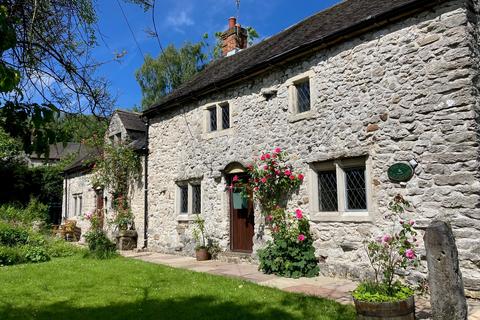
point(58, 150)
point(333, 24)
point(84, 160)
point(131, 120)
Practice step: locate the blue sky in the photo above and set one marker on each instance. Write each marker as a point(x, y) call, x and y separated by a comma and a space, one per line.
point(179, 21)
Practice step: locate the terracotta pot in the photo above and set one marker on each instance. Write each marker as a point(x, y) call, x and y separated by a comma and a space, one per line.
point(202, 254)
point(397, 310)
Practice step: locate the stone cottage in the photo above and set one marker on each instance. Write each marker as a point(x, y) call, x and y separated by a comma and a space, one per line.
point(79, 195)
point(347, 93)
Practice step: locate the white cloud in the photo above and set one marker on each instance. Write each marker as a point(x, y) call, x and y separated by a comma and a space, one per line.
point(179, 19)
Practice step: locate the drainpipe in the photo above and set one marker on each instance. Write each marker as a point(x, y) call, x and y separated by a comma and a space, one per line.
point(65, 177)
point(145, 179)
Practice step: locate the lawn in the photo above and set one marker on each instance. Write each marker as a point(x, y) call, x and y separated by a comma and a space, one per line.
point(120, 288)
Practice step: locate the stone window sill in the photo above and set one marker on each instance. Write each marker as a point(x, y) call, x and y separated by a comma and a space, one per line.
point(218, 133)
point(301, 116)
point(186, 217)
point(349, 216)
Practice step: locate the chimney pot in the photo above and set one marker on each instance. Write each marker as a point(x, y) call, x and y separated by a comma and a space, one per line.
point(232, 21)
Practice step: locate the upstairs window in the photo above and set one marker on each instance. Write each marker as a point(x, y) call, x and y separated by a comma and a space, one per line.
point(225, 116)
point(213, 119)
point(302, 93)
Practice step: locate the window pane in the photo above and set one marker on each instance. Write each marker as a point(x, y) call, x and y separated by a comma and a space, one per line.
point(213, 119)
point(80, 207)
point(196, 199)
point(303, 96)
point(356, 190)
point(225, 116)
point(183, 199)
point(327, 191)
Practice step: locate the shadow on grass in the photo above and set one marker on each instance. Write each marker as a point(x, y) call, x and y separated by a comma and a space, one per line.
point(198, 307)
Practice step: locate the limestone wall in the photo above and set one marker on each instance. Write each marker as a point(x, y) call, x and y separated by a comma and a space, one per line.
point(403, 92)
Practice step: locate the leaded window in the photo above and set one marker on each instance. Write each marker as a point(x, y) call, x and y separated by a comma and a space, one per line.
point(225, 116)
point(196, 199)
point(356, 195)
point(327, 191)
point(183, 199)
point(303, 96)
point(213, 119)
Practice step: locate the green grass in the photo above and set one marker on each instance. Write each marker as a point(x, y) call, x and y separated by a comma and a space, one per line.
point(78, 288)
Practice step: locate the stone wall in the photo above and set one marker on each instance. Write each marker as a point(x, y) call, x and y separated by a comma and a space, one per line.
point(405, 91)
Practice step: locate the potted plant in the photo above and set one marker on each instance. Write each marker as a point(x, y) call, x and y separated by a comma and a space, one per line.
point(201, 248)
point(385, 296)
point(126, 235)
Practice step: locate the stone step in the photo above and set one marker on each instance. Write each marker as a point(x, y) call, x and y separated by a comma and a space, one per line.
point(236, 257)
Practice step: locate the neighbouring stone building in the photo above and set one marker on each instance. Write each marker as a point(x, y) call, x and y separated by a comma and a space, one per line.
point(80, 196)
point(347, 93)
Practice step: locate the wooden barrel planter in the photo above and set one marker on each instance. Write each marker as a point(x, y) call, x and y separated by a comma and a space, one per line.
point(398, 310)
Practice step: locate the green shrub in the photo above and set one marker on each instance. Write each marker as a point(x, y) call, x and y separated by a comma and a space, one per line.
point(35, 211)
point(11, 256)
point(59, 248)
point(99, 245)
point(13, 235)
point(35, 254)
point(380, 292)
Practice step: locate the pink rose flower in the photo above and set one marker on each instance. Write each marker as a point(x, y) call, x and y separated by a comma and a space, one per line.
point(301, 237)
point(288, 172)
point(401, 221)
point(263, 180)
point(269, 217)
point(277, 172)
point(267, 156)
point(411, 222)
point(235, 178)
point(265, 167)
point(386, 238)
point(300, 177)
point(277, 150)
point(410, 254)
point(299, 213)
point(262, 157)
point(255, 189)
point(292, 177)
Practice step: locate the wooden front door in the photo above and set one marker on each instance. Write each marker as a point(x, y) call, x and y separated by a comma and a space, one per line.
point(241, 224)
point(100, 205)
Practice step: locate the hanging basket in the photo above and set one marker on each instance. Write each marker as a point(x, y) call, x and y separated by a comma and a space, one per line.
point(239, 201)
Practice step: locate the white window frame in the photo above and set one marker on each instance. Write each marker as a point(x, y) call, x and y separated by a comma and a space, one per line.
point(343, 214)
point(77, 204)
point(292, 83)
point(189, 215)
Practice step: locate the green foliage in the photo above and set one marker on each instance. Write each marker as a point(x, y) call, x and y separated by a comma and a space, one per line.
point(35, 211)
point(99, 246)
point(216, 53)
point(59, 248)
point(9, 147)
point(10, 256)
point(9, 77)
point(380, 292)
point(291, 253)
point(199, 233)
point(13, 235)
point(35, 254)
point(174, 66)
point(394, 250)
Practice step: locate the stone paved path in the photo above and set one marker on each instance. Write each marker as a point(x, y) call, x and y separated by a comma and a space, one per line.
point(331, 288)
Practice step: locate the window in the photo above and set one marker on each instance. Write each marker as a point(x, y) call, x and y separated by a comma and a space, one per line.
point(225, 116)
point(189, 198)
point(340, 188)
point(213, 119)
point(77, 204)
point(303, 95)
point(217, 117)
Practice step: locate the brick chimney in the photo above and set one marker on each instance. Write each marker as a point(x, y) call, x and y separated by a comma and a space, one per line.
point(234, 39)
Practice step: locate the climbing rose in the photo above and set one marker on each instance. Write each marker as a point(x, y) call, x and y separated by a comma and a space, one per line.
point(300, 177)
point(267, 156)
point(263, 179)
point(255, 189)
point(386, 238)
point(410, 254)
point(277, 172)
point(235, 178)
point(292, 177)
point(288, 172)
point(269, 217)
point(299, 214)
point(277, 150)
point(265, 167)
point(301, 237)
point(411, 222)
point(262, 157)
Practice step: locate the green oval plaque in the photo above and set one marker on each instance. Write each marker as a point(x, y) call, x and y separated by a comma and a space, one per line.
point(400, 172)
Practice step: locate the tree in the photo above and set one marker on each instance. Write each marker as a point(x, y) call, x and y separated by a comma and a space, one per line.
point(9, 147)
point(159, 76)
